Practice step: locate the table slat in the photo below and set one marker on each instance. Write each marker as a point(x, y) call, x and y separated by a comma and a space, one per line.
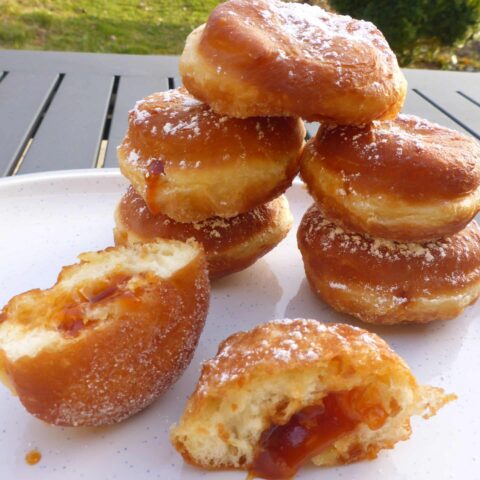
point(130, 89)
point(22, 98)
point(461, 110)
point(81, 62)
point(70, 134)
point(312, 128)
point(473, 92)
point(417, 105)
point(440, 89)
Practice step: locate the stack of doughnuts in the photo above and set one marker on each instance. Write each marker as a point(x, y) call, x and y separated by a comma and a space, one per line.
point(211, 160)
point(198, 174)
point(391, 237)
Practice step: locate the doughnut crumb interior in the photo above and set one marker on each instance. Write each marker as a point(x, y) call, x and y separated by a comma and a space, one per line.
point(343, 390)
point(113, 333)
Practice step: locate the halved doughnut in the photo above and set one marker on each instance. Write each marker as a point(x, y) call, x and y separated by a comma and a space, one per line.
point(273, 58)
point(387, 282)
point(230, 244)
point(189, 163)
point(293, 390)
point(113, 333)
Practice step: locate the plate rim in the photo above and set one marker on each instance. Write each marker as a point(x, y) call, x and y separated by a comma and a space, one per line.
point(60, 174)
point(78, 173)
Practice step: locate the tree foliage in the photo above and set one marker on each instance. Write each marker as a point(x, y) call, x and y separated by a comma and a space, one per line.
point(411, 24)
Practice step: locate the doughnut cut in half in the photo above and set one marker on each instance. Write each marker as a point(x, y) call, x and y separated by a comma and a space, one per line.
point(113, 333)
point(293, 390)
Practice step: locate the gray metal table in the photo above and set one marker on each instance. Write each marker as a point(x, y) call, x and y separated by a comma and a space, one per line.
point(69, 110)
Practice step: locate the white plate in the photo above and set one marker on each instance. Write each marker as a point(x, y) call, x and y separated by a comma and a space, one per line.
point(47, 219)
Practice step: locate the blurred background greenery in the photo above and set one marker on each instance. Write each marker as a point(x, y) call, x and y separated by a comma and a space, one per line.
point(426, 34)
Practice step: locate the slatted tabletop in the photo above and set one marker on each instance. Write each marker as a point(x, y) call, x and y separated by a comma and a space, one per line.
point(69, 110)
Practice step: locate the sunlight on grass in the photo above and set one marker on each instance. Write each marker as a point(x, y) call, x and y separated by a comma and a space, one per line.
point(143, 27)
point(125, 26)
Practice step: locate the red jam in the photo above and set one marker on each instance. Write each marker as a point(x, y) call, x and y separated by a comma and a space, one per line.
point(284, 448)
point(73, 314)
point(156, 167)
point(33, 457)
point(72, 321)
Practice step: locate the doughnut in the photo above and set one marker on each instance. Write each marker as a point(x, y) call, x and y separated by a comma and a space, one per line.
point(387, 282)
point(114, 332)
point(230, 244)
point(290, 391)
point(406, 179)
point(270, 58)
point(189, 163)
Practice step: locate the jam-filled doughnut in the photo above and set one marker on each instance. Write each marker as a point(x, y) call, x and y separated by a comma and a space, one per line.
point(230, 244)
point(113, 333)
point(387, 282)
point(189, 163)
point(293, 390)
point(407, 179)
point(275, 58)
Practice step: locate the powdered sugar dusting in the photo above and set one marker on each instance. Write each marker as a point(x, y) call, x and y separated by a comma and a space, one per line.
point(281, 345)
point(175, 114)
point(173, 106)
point(114, 381)
point(410, 268)
point(329, 234)
point(405, 132)
point(315, 28)
point(133, 157)
point(321, 36)
point(217, 233)
point(338, 286)
point(220, 228)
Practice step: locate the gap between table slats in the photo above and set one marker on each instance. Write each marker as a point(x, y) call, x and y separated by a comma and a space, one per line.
point(24, 100)
point(130, 89)
point(470, 96)
point(100, 161)
point(468, 123)
point(69, 136)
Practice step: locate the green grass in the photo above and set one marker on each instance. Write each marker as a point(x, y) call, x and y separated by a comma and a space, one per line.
point(140, 26)
point(125, 26)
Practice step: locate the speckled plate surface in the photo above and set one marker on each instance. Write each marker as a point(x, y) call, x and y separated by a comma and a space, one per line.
point(47, 219)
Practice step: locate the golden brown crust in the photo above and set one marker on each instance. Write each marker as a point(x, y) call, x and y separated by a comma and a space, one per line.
point(270, 348)
point(230, 245)
point(133, 347)
point(406, 179)
point(266, 375)
point(275, 58)
point(191, 164)
point(382, 281)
